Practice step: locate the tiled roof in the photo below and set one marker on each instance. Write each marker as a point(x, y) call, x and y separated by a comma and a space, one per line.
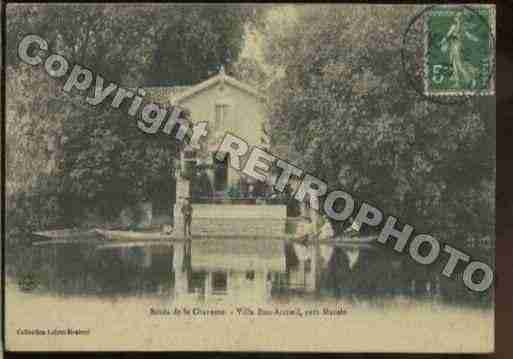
point(163, 94)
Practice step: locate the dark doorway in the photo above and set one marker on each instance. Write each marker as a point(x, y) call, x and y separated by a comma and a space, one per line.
point(221, 174)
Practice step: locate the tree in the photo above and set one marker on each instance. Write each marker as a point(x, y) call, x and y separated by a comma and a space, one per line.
point(346, 106)
point(109, 163)
point(102, 156)
point(30, 127)
point(191, 41)
point(249, 71)
point(99, 36)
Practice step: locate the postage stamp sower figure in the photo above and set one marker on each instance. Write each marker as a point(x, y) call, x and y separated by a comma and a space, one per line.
point(459, 51)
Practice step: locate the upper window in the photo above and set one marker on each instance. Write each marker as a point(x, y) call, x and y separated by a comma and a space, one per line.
point(220, 116)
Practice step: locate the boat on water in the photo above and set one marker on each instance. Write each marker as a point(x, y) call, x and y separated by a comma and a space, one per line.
point(68, 235)
point(339, 241)
point(133, 235)
point(353, 239)
point(352, 236)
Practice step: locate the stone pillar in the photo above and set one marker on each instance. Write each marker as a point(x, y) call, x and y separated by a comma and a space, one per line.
point(182, 191)
point(304, 211)
point(314, 213)
point(314, 217)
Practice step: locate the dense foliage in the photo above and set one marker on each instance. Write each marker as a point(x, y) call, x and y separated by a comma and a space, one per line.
point(192, 41)
point(337, 92)
point(99, 158)
point(347, 108)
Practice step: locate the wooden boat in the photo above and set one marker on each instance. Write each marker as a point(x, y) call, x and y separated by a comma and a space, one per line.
point(64, 235)
point(106, 245)
point(354, 239)
point(346, 241)
point(133, 235)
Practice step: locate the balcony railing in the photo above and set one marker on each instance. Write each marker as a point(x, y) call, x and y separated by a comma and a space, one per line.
point(236, 200)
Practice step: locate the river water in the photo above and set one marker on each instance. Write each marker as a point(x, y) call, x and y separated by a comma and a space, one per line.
point(256, 269)
point(153, 278)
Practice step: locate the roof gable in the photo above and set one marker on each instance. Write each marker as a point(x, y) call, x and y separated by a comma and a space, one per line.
point(214, 81)
point(164, 94)
point(176, 94)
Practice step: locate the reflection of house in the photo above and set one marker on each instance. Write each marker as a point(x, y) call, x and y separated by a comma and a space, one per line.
point(240, 269)
point(311, 259)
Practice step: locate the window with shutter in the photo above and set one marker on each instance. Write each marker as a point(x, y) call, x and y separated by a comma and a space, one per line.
point(221, 114)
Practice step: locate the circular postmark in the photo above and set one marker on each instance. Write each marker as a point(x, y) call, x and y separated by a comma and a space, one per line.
point(448, 53)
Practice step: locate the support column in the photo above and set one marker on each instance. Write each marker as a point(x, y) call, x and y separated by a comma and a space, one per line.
point(182, 191)
point(303, 209)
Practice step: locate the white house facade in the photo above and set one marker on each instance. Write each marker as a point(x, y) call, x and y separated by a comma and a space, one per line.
point(233, 203)
point(228, 106)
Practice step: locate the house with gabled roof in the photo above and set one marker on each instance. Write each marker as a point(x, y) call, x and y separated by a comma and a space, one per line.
point(228, 106)
point(234, 203)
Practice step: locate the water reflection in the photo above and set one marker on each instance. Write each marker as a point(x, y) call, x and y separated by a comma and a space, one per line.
point(245, 271)
point(238, 269)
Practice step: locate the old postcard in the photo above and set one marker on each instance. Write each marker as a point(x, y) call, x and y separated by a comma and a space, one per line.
point(238, 177)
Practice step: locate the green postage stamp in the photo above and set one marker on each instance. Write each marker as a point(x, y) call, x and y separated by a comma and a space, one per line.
point(459, 51)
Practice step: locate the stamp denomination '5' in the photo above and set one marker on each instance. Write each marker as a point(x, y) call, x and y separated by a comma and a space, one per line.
point(458, 54)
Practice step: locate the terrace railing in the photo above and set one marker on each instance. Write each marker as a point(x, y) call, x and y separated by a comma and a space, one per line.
point(237, 200)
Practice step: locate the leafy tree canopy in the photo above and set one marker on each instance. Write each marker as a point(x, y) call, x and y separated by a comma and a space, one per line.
point(345, 104)
point(99, 152)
